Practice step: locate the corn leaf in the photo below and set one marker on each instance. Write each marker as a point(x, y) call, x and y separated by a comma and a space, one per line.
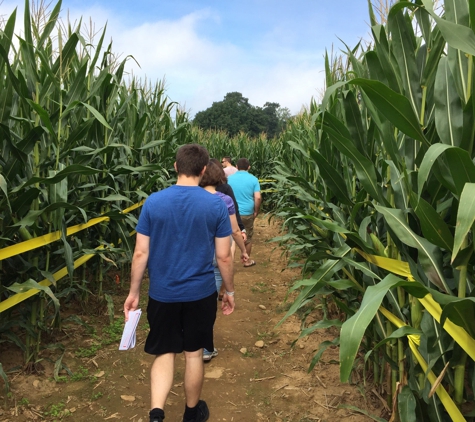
point(448, 107)
point(429, 255)
point(69, 170)
point(332, 178)
point(406, 405)
point(97, 115)
point(32, 284)
point(457, 36)
point(321, 348)
point(354, 121)
point(395, 107)
point(401, 33)
point(353, 329)
point(399, 333)
point(465, 217)
point(433, 226)
point(462, 313)
point(364, 167)
point(67, 253)
point(3, 375)
point(387, 59)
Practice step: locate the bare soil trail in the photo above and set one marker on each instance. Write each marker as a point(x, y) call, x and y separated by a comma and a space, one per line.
point(257, 375)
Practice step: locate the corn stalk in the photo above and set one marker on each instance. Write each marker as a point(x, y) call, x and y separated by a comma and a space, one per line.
point(391, 145)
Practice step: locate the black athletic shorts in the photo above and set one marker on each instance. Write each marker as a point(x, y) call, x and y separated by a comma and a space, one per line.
point(181, 326)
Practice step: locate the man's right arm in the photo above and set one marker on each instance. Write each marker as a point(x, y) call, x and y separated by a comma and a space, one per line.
point(224, 259)
point(139, 264)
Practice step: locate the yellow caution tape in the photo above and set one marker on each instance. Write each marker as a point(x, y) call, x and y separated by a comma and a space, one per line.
point(465, 341)
point(399, 323)
point(393, 265)
point(402, 268)
point(46, 239)
point(444, 397)
point(414, 342)
point(20, 297)
point(37, 242)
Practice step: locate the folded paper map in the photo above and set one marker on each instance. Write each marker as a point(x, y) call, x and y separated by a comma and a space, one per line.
point(128, 336)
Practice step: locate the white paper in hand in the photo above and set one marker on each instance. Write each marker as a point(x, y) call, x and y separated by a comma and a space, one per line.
point(129, 334)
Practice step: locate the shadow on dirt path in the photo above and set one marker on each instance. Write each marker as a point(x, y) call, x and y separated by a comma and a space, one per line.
point(257, 375)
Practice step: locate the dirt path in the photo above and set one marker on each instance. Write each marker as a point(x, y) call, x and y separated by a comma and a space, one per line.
point(247, 381)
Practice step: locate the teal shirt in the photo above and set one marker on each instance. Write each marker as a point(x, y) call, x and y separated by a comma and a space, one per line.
point(244, 185)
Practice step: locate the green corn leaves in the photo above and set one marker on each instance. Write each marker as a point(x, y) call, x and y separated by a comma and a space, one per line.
point(465, 217)
point(394, 107)
point(76, 143)
point(393, 142)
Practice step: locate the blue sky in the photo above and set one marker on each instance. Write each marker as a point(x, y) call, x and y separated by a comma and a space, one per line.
point(269, 50)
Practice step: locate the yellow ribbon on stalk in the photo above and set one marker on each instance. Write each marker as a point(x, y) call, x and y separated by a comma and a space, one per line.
point(20, 297)
point(395, 266)
point(444, 397)
point(46, 239)
point(414, 341)
point(37, 242)
point(402, 268)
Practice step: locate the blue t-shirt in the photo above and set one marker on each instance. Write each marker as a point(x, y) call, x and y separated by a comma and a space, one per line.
point(182, 222)
point(244, 185)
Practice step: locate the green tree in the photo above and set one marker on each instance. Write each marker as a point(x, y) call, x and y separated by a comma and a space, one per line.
point(283, 116)
point(235, 114)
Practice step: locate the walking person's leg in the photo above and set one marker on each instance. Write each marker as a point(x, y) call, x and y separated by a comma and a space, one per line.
point(164, 340)
point(161, 379)
point(249, 248)
point(196, 410)
point(248, 221)
point(194, 375)
point(198, 322)
point(210, 354)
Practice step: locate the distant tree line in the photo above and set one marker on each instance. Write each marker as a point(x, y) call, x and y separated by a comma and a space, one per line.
point(234, 114)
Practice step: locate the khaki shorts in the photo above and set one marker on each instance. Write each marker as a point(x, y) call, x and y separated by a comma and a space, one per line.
point(248, 221)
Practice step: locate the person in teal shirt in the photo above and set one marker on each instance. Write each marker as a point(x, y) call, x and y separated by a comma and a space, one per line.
point(248, 196)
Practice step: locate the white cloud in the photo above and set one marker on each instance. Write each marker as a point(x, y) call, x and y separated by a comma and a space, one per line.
point(199, 70)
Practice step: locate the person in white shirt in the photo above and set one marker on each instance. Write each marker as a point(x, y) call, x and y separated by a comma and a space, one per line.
point(228, 167)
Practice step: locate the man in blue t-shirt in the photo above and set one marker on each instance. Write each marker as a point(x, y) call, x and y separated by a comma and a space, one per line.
point(247, 191)
point(179, 231)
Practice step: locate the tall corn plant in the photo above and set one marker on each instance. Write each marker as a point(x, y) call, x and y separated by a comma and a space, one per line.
point(389, 153)
point(261, 152)
point(77, 141)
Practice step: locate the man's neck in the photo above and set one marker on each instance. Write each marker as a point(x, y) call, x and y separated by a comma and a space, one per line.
point(183, 180)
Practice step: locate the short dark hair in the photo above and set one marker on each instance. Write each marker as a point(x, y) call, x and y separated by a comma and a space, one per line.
point(191, 159)
point(243, 164)
point(214, 175)
point(227, 158)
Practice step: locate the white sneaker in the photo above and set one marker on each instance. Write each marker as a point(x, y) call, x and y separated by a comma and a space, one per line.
point(207, 355)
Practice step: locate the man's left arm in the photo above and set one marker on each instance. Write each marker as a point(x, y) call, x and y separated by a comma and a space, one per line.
point(224, 259)
point(257, 203)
